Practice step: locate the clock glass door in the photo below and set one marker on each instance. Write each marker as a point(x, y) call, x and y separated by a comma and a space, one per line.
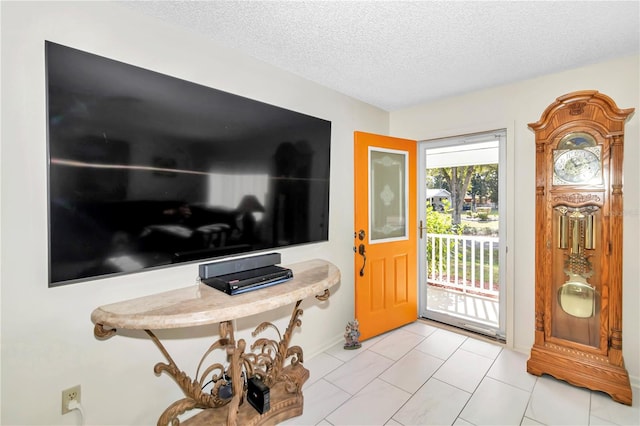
point(576, 240)
point(576, 292)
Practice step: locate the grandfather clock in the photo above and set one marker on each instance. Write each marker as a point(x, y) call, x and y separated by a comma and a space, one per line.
point(578, 298)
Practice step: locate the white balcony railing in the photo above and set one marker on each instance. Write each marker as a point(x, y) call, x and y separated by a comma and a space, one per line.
point(468, 264)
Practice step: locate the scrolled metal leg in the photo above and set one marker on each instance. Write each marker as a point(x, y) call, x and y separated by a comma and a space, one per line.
point(269, 361)
point(324, 296)
point(193, 389)
point(170, 415)
point(101, 333)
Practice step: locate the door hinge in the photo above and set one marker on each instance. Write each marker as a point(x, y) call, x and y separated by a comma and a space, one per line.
point(421, 228)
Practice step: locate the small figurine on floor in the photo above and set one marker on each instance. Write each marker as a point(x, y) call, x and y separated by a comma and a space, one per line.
point(352, 334)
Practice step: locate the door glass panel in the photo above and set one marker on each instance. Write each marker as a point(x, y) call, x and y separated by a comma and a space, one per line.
point(387, 195)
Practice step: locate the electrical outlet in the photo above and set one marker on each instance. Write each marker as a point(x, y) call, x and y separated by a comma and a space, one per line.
point(68, 395)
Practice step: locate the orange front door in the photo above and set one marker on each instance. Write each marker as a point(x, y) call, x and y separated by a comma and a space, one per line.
point(385, 233)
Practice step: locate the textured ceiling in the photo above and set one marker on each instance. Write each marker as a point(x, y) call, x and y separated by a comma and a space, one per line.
point(395, 54)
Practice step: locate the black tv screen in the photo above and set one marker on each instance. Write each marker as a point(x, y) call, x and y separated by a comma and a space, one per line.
point(148, 170)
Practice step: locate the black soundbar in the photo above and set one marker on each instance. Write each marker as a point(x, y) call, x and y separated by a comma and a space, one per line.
point(254, 279)
point(225, 267)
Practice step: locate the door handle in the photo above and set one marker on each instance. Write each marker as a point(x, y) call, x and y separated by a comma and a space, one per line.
point(362, 252)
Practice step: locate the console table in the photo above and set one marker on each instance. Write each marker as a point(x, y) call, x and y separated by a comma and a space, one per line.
point(265, 358)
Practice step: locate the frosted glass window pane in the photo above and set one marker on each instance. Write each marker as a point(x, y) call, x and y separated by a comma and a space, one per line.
point(387, 195)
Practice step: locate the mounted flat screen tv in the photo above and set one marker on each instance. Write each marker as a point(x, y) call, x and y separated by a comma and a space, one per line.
point(147, 170)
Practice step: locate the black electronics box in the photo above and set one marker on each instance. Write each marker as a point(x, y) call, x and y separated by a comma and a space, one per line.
point(254, 279)
point(258, 395)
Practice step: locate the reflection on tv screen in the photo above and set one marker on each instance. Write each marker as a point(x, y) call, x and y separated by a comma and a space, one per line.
point(147, 170)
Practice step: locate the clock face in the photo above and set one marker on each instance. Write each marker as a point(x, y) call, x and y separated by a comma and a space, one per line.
point(577, 166)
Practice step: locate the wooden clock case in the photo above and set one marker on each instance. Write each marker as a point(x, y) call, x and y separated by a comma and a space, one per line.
point(582, 348)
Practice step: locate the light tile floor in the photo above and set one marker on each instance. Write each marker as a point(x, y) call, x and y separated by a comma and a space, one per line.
point(425, 375)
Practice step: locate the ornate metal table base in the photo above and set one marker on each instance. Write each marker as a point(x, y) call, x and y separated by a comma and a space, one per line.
point(266, 359)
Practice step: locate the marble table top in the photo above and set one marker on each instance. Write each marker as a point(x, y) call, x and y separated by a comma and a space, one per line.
point(200, 304)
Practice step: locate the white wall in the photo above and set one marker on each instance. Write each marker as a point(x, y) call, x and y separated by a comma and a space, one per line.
point(47, 335)
point(513, 107)
point(47, 338)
